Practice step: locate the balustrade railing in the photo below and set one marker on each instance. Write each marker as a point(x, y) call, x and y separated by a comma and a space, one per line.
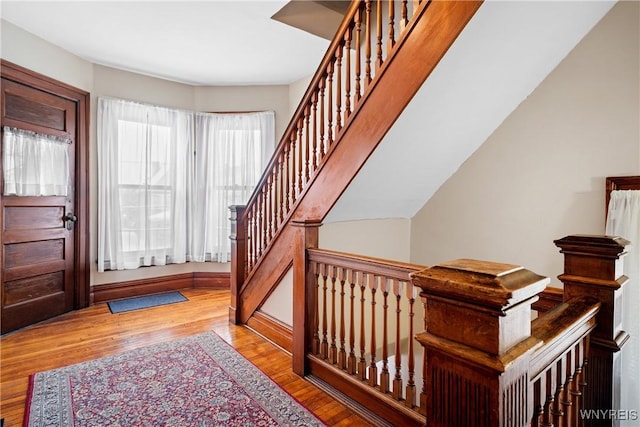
point(365, 39)
point(366, 313)
point(483, 361)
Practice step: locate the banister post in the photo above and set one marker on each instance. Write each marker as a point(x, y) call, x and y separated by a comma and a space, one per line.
point(593, 267)
point(238, 260)
point(478, 342)
point(304, 293)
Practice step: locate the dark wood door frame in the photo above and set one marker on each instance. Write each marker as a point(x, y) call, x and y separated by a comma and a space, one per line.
point(27, 77)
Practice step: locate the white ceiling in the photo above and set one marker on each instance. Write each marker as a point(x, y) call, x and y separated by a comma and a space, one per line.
point(208, 43)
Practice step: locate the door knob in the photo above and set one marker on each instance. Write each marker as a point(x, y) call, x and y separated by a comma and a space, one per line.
point(69, 220)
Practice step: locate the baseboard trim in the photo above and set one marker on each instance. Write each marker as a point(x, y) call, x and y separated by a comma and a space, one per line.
point(155, 285)
point(272, 329)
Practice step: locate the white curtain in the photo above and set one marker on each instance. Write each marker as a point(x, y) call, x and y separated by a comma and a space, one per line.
point(231, 152)
point(34, 164)
point(144, 154)
point(623, 219)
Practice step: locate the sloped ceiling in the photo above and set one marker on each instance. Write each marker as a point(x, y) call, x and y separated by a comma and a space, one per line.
point(502, 55)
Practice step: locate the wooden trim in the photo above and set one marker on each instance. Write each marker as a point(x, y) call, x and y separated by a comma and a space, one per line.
point(154, 285)
point(41, 82)
point(395, 413)
point(211, 280)
point(619, 183)
point(548, 299)
point(272, 329)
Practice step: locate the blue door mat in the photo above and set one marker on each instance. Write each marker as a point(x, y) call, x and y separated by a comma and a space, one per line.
point(138, 303)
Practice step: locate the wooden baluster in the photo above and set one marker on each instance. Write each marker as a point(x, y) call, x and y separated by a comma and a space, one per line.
point(358, 59)
point(362, 363)
point(397, 379)
point(316, 318)
point(347, 80)
point(287, 181)
point(263, 221)
point(339, 52)
point(384, 373)
point(551, 378)
point(410, 394)
point(392, 40)
point(293, 143)
point(308, 152)
point(559, 371)
point(342, 355)
point(575, 391)
point(373, 369)
point(249, 238)
point(367, 70)
point(269, 201)
point(330, 105)
point(379, 35)
point(281, 189)
point(255, 239)
point(404, 19)
point(301, 162)
point(351, 361)
point(333, 349)
point(322, 122)
point(324, 347)
point(423, 391)
point(255, 236)
point(538, 402)
point(566, 398)
point(314, 149)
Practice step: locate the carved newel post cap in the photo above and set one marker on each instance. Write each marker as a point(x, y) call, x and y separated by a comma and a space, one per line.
point(484, 306)
point(585, 244)
point(488, 284)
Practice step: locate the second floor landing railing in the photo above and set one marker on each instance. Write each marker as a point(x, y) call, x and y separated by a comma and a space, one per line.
point(483, 362)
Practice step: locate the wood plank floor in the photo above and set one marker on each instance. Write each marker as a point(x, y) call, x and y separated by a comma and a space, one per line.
point(94, 332)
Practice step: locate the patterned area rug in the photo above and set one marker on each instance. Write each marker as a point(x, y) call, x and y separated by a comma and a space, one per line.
point(196, 381)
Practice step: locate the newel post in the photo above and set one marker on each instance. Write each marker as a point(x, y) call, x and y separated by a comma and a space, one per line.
point(304, 293)
point(478, 342)
point(238, 260)
point(593, 267)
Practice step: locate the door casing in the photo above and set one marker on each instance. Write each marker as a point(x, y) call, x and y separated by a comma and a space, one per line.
point(82, 271)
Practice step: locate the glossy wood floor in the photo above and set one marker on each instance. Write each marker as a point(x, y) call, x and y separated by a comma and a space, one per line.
point(95, 332)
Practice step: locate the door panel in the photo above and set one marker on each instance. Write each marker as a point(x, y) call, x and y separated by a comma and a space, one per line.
point(38, 259)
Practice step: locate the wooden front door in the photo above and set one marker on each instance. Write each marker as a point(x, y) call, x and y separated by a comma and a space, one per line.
point(39, 232)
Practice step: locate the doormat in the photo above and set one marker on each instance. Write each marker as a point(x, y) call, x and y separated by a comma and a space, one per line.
point(147, 301)
point(196, 381)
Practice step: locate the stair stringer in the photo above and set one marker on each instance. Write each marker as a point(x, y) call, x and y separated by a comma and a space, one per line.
point(415, 56)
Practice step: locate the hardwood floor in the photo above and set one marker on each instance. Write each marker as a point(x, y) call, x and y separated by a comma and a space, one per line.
point(94, 332)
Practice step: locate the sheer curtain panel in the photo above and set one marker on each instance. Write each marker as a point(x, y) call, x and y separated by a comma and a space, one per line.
point(34, 164)
point(623, 219)
point(232, 151)
point(144, 153)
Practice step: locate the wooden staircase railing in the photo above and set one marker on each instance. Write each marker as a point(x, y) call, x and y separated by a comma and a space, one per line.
point(483, 362)
point(379, 58)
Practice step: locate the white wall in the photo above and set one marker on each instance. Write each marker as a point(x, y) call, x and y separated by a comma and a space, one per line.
point(29, 51)
point(540, 175)
point(246, 98)
point(387, 238)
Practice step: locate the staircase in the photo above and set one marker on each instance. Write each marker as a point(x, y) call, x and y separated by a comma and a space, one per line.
point(381, 55)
